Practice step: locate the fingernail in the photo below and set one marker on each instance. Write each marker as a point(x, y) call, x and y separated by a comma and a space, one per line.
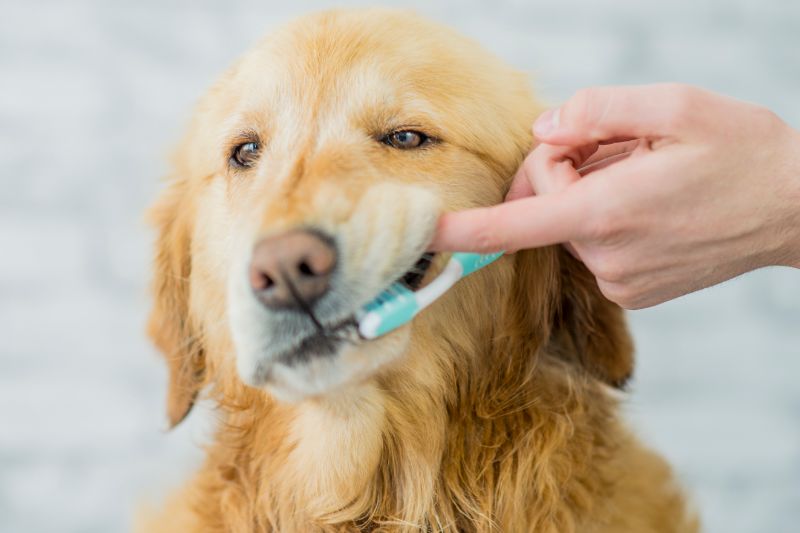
point(547, 122)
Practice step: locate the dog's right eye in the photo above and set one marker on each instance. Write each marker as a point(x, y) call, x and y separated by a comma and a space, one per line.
point(406, 139)
point(245, 154)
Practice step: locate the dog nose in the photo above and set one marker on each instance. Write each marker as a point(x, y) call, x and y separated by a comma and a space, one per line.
point(292, 270)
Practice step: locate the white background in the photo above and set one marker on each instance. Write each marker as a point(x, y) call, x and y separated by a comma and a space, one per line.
point(93, 93)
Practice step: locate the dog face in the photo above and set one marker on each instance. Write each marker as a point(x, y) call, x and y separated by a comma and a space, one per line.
point(311, 178)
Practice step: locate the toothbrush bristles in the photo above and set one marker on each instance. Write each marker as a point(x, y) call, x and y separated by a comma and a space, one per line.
point(394, 291)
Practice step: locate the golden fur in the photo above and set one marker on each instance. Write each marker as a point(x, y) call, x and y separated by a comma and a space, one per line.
point(494, 410)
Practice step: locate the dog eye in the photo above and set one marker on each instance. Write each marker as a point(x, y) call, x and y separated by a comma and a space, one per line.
point(245, 155)
point(406, 139)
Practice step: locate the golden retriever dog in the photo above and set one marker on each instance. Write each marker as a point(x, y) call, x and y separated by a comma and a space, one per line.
point(311, 178)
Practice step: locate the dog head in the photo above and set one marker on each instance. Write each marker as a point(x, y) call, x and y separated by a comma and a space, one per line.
point(312, 177)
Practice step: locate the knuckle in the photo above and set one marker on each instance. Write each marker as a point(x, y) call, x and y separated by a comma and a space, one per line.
point(683, 104)
point(486, 238)
point(609, 268)
point(483, 240)
point(768, 118)
point(682, 91)
point(619, 293)
point(609, 290)
point(577, 111)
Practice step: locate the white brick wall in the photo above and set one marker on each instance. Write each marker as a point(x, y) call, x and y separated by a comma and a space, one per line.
point(91, 95)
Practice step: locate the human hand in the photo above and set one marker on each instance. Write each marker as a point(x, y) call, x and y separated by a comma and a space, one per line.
point(660, 190)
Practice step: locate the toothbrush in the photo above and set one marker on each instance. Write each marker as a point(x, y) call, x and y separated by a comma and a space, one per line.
point(398, 304)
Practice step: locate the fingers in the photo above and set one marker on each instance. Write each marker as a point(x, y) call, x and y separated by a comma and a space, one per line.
point(609, 154)
point(554, 168)
point(551, 168)
point(610, 150)
point(606, 113)
point(520, 185)
point(590, 132)
point(548, 169)
point(525, 223)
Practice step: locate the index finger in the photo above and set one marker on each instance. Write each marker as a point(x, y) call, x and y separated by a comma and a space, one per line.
point(527, 223)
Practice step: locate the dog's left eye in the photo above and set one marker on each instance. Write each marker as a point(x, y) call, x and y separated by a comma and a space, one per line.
point(245, 154)
point(406, 139)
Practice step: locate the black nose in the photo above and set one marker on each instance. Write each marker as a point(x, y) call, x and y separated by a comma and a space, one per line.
point(292, 270)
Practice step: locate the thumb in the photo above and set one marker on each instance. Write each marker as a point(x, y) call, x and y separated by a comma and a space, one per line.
point(612, 114)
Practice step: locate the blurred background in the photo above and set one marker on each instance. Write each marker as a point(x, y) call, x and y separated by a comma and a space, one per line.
point(92, 95)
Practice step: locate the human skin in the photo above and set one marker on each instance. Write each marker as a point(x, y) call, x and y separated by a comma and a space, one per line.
point(660, 190)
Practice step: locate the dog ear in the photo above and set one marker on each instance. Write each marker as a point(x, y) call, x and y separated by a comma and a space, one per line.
point(170, 325)
point(588, 329)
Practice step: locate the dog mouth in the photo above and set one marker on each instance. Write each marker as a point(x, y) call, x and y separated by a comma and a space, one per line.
point(328, 339)
point(413, 278)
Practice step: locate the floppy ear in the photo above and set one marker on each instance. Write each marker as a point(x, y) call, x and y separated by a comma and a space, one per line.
point(588, 329)
point(170, 325)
